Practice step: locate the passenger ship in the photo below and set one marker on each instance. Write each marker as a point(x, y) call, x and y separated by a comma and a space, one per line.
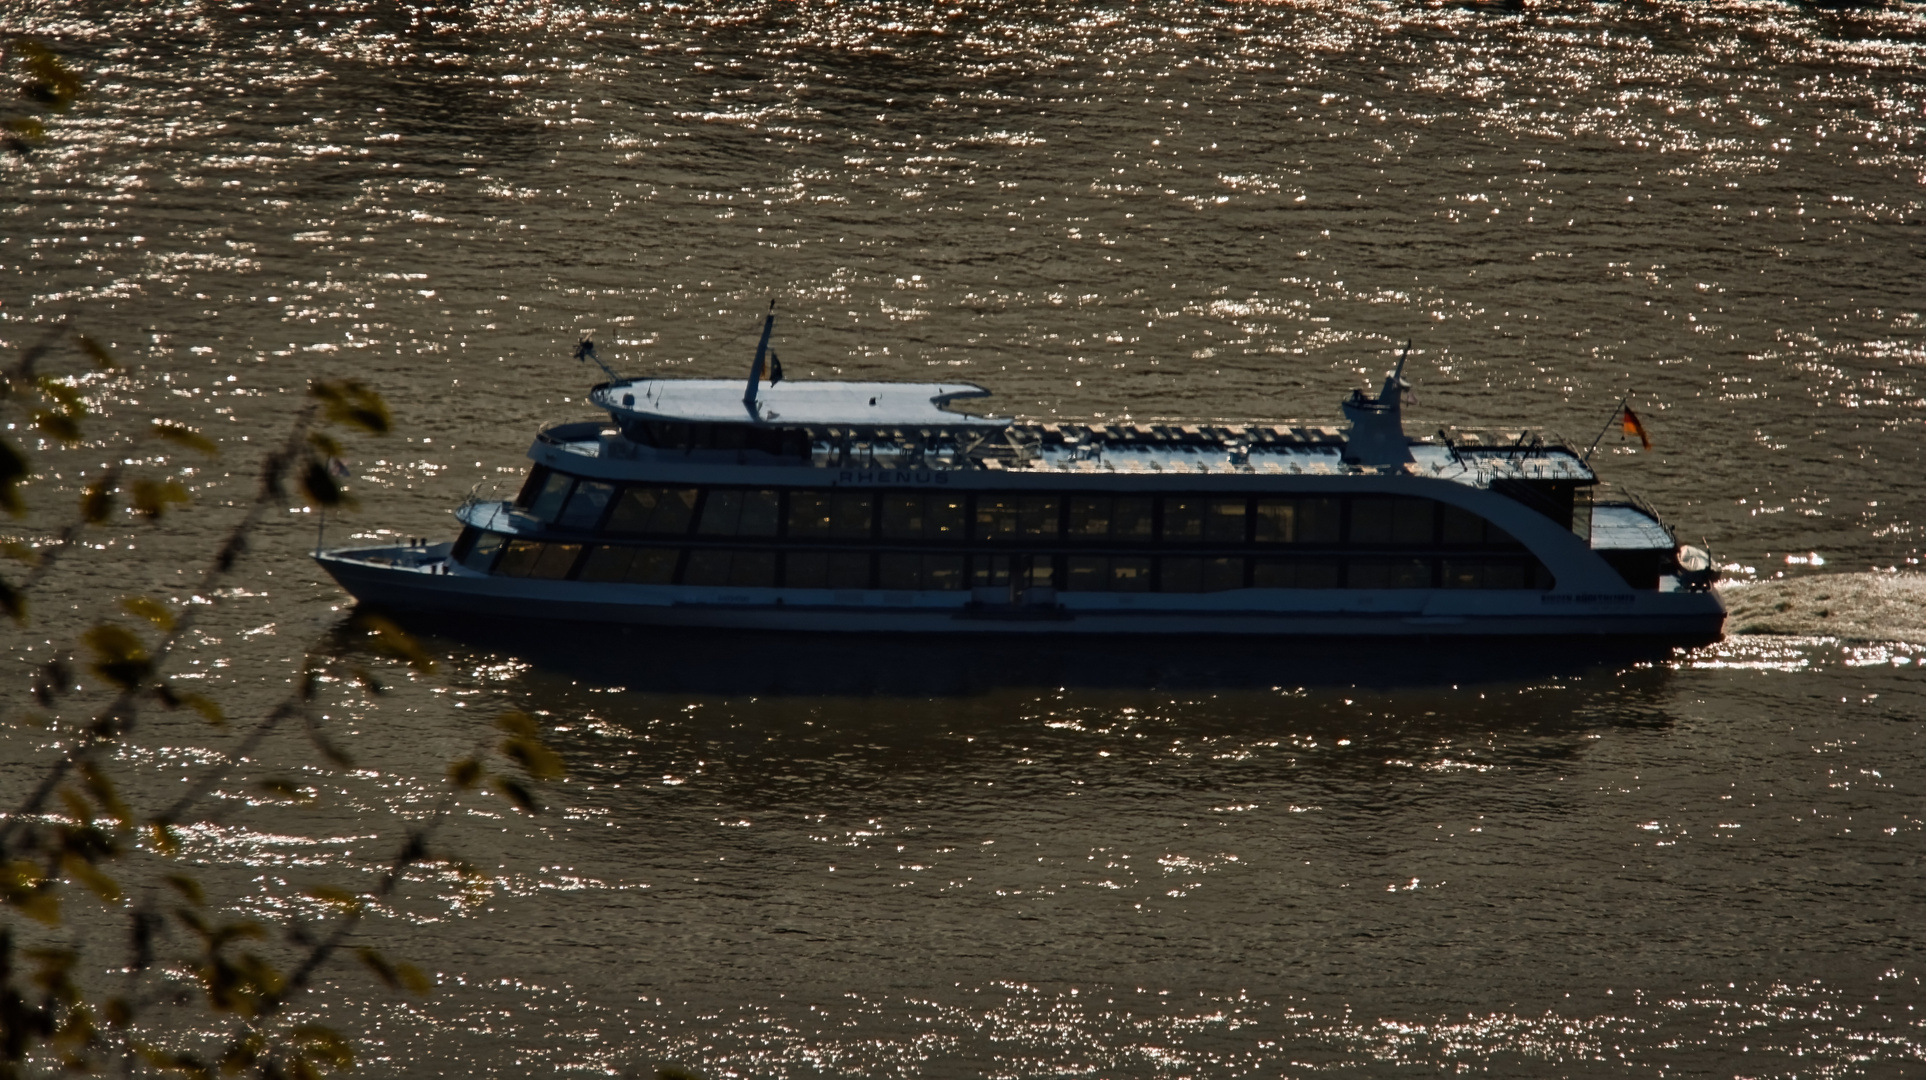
point(878, 507)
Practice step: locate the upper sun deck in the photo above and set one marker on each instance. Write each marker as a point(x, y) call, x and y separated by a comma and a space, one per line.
point(1474, 458)
point(804, 404)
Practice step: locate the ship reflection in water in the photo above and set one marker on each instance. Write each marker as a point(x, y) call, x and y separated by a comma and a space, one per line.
point(761, 664)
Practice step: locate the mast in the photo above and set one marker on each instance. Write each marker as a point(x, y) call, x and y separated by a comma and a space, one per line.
point(762, 349)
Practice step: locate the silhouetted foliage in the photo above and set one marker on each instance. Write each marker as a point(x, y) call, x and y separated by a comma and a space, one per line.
point(75, 839)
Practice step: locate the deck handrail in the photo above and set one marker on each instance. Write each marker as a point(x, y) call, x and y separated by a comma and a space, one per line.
point(559, 432)
point(1608, 494)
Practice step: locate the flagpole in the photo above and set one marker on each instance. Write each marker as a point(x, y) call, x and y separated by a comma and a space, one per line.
point(1616, 413)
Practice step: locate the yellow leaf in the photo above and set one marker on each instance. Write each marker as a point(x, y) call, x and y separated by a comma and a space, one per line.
point(65, 396)
point(517, 722)
point(57, 425)
point(336, 898)
point(102, 789)
point(518, 793)
point(13, 603)
point(89, 875)
point(150, 609)
point(77, 805)
point(395, 641)
point(209, 709)
point(351, 402)
point(319, 485)
point(161, 835)
point(96, 502)
point(188, 888)
point(97, 352)
point(119, 656)
point(417, 981)
point(52, 84)
point(25, 127)
point(465, 773)
point(151, 497)
point(41, 905)
point(377, 963)
point(535, 758)
point(13, 469)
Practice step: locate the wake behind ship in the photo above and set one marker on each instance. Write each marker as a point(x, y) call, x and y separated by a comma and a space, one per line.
point(874, 507)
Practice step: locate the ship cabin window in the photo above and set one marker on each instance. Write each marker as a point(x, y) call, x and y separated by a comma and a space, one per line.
point(1002, 519)
point(1501, 573)
point(585, 505)
point(1209, 521)
point(1298, 521)
point(1095, 573)
point(932, 539)
point(634, 565)
point(1125, 519)
point(1312, 573)
point(1462, 527)
point(1018, 571)
point(1391, 520)
point(830, 515)
point(1393, 573)
point(740, 513)
point(906, 571)
point(826, 570)
point(721, 566)
point(654, 511)
point(1188, 574)
point(531, 559)
point(476, 549)
point(924, 516)
point(783, 442)
point(544, 492)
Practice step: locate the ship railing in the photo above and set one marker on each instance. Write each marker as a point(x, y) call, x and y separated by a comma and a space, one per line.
point(486, 493)
point(1004, 446)
point(1522, 443)
point(1611, 494)
point(576, 436)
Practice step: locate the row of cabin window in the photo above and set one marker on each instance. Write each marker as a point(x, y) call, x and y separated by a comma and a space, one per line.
point(912, 571)
point(944, 517)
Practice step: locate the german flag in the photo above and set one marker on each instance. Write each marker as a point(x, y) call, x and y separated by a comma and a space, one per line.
point(1628, 422)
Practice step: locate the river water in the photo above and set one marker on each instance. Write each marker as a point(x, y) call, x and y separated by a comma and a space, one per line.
point(778, 859)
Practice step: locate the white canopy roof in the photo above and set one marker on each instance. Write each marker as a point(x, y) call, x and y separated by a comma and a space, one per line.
point(793, 404)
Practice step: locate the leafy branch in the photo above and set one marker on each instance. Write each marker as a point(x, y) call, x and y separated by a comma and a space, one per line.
point(75, 830)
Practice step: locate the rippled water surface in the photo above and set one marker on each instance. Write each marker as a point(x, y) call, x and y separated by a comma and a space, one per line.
point(803, 858)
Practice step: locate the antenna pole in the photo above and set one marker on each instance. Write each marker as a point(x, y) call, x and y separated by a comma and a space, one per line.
point(585, 350)
point(762, 349)
point(1607, 427)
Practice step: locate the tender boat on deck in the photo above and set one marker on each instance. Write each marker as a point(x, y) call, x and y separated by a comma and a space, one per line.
point(826, 506)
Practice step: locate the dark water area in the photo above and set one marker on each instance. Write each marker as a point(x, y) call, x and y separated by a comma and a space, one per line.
point(1199, 859)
